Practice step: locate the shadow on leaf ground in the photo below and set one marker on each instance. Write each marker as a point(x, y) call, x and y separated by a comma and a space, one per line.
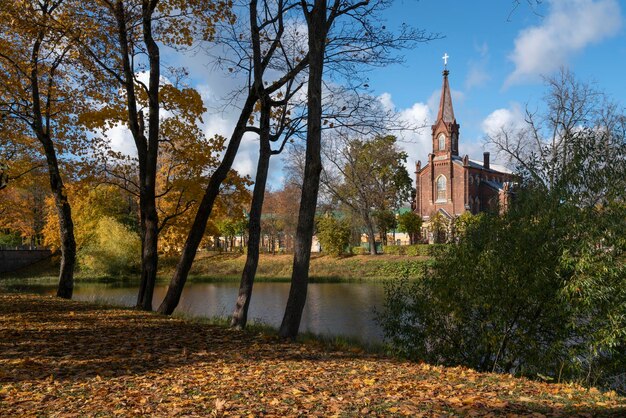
point(62, 358)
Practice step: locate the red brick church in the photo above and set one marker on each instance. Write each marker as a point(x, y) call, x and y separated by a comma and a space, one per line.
point(451, 184)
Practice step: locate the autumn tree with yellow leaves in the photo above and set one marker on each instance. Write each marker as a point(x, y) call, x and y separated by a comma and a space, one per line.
point(38, 84)
point(122, 41)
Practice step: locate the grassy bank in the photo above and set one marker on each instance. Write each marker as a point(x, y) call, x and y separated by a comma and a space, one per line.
point(323, 267)
point(228, 266)
point(127, 363)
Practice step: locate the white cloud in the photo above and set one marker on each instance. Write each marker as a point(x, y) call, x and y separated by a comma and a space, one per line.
point(571, 25)
point(504, 118)
point(511, 118)
point(385, 100)
point(417, 144)
point(121, 140)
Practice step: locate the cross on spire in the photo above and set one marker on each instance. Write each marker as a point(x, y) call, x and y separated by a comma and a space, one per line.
point(445, 59)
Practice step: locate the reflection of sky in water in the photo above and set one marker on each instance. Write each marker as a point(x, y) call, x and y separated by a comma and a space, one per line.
point(331, 308)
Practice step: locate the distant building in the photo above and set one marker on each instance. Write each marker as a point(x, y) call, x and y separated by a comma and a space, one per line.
point(450, 184)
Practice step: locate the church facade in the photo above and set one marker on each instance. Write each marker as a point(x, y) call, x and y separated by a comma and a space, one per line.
point(450, 184)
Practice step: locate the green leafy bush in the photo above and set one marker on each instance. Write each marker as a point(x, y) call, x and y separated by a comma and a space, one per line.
point(410, 269)
point(333, 234)
point(417, 250)
point(435, 250)
point(410, 223)
point(10, 239)
point(113, 249)
point(538, 290)
point(394, 249)
point(359, 250)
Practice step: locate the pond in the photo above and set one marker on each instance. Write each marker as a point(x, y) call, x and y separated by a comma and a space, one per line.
point(332, 309)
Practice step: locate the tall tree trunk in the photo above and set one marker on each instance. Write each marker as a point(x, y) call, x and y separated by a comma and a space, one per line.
point(66, 225)
point(260, 64)
point(177, 283)
point(150, 255)
point(371, 235)
point(147, 147)
point(41, 127)
point(317, 31)
point(240, 314)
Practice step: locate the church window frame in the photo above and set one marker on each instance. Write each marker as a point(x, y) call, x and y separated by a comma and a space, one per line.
point(441, 187)
point(441, 142)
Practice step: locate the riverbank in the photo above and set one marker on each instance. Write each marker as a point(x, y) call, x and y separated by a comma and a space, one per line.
point(67, 358)
point(213, 266)
point(323, 267)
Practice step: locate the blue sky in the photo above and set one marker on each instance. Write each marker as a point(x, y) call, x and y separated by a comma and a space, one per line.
point(497, 58)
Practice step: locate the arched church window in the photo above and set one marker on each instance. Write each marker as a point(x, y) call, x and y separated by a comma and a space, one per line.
point(477, 203)
point(470, 203)
point(441, 189)
point(471, 179)
point(442, 142)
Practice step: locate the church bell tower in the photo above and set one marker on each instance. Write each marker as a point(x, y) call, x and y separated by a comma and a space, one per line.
point(445, 131)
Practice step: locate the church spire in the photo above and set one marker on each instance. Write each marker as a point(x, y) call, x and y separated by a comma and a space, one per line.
point(445, 129)
point(446, 113)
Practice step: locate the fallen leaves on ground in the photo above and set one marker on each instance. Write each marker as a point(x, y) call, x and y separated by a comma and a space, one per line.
point(65, 358)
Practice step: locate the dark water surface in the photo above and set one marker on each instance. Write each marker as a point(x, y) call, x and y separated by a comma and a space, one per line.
point(337, 309)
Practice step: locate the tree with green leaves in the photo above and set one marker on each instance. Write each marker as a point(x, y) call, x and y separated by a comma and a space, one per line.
point(385, 221)
point(411, 224)
point(368, 177)
point(120, 40)
point(333, 234)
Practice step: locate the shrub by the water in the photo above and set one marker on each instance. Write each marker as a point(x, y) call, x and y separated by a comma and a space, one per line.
point(114, 249)
point(538, 291)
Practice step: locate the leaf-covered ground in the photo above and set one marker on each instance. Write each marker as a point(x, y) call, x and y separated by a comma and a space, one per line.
point(60, 358)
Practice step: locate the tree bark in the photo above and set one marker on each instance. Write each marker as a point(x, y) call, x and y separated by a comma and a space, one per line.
point(150, 256)
point(196, 233)
point(258, 88)
point(240, 314)
point(66, 224)
point(317, 31)
point(41, 127)
point(147, 147)
point(371, 235)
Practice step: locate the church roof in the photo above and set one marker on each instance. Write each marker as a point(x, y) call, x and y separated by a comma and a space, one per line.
point(497, 168)
point(493, 184)
point(479, 164)
point(446, 113)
